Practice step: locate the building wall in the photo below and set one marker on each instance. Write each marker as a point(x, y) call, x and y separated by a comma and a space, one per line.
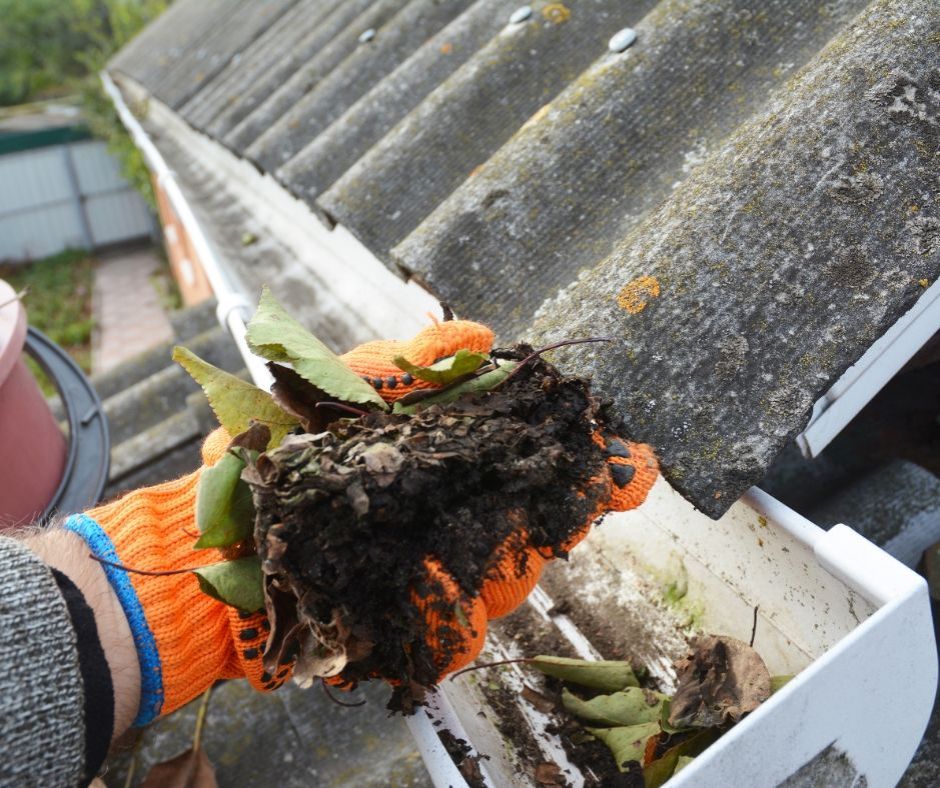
point(187, 270)
point(66, 196)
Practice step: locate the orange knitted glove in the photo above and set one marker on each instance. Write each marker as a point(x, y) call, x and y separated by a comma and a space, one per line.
point(516, 565)
point(185, 639)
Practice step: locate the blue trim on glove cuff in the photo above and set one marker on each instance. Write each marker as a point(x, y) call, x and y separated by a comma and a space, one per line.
point(151, 675)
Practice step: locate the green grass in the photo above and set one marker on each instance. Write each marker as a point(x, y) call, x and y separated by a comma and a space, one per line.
point(58, 302)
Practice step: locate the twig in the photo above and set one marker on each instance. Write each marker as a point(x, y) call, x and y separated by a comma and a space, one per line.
point(536, 353)
point(448, 312)
point(148, 572)
point(135, 755)
point(337, 701)
point(490, 665)
point(201, 719)
point(754, 625)
point(18, 297)
point(341, 406)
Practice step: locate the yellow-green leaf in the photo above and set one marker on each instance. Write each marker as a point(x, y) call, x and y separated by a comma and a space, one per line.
point(238, 583)
point(605, 675)
point(447, 369)
point(225, 513)
point(485, 382)
point(659, 771)
point(275, 335)
point(627, 743)
point(235, 402)
point(631, 706)
point(777, 683)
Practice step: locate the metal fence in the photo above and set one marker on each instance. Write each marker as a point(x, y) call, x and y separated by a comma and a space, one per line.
point(63, 196)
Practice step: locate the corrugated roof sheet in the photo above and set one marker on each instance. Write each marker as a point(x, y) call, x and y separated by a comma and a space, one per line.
point(744, 199)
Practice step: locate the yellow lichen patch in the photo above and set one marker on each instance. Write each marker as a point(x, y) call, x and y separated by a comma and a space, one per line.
point(556, 13)
point(447, 48)
point(636, 295)
point(924, 283)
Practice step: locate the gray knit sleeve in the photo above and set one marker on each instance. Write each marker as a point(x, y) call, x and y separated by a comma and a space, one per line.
point(42, 727)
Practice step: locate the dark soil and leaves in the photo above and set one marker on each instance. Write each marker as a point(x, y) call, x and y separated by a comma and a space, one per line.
point(650, 735)
point(349, 507)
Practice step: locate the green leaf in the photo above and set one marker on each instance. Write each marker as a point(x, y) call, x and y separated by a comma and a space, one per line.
point(609, 676)
point(235, 402)
point(446, 370)
point(659, 771)
point(631, 706)
point(485, 382)
point(627, 743)
point(276, 336)
point(225, 513)
point(777, 683)
point(237, 583)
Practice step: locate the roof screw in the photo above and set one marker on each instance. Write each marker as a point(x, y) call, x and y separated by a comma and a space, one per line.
point(622, 39)
point(367, 36)
point(520, 15)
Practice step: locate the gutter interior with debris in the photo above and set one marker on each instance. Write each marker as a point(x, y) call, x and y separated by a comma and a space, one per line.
point(744, 250)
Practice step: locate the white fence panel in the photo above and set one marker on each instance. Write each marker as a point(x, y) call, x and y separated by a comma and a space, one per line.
point(66, 196)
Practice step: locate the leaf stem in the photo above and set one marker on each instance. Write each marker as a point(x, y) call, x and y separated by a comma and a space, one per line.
point(17, 297)
point(201, 719)
point(490, 665)
point(343, 407)
point(337, 701)
point(564, 343)
point(148, 572)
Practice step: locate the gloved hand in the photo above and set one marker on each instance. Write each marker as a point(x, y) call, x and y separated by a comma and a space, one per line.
point(187, 640)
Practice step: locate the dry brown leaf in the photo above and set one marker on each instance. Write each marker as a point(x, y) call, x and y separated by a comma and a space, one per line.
point(721, 681)
point(549, 774)
point(190, 769)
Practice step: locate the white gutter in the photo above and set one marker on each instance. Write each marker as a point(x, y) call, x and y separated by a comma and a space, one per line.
point(864, 379)
point(233, 306)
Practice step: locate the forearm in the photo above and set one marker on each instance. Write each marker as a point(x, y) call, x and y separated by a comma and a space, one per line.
point(68, 553)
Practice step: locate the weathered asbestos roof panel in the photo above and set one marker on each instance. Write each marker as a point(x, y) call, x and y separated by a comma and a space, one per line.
point(341, 44)
point(211, 40)
point(390, 46)
point(338, 147)
point(245, 69)
point(744, 238)
point(776, 264)
point(388, 192)
point(258, 88)
point(572, 182)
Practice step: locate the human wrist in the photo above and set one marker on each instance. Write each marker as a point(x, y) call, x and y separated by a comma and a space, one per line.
point(66, 552)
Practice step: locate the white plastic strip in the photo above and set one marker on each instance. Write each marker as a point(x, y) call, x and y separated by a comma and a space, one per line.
point(864, 379)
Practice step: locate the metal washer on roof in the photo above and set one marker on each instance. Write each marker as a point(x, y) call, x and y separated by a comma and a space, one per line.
point(622, 39)
point(520, 15)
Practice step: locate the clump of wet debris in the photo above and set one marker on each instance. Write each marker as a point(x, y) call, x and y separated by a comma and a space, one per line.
point(347, 518)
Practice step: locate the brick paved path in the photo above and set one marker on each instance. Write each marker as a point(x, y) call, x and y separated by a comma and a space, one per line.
point(128, 316)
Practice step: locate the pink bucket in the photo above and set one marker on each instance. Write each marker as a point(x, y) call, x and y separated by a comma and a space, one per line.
point(33, 448)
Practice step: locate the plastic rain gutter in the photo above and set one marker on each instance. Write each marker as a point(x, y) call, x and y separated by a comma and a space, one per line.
point(864, 379)
point(233, 307)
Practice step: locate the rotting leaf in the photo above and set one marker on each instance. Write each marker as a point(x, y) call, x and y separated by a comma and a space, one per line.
point(549, 774)
point(721, 681)
point(541, 702)
point(275, 335)
point(225, 514)
point(189, 769)
point(631, 706)
point(299, 398)
point(237, 583)
point(608, 676)
point(660, 770)
point(447, 370)
point(235, 402)
point(627, 743)
point(485, 382)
